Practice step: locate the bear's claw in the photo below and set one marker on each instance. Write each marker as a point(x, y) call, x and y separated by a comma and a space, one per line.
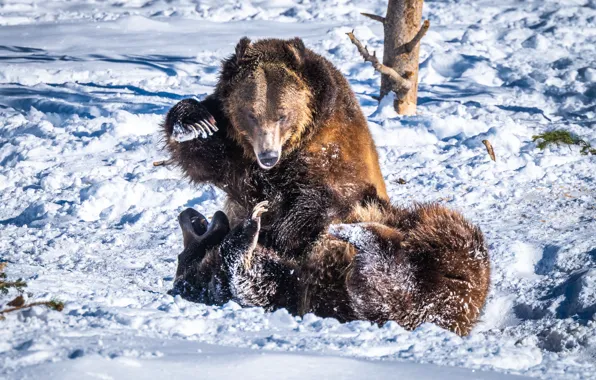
point(186, 132)
point(182, 133)
point(259, 209)
point(206, 127)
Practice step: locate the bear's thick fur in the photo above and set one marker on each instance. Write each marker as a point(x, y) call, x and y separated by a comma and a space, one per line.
point(286, 128)
point(424, 264)
point(289, 131)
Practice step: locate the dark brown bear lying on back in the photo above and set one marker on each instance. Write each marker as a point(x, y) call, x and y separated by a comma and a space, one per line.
point(425, 264)
point(282, 125)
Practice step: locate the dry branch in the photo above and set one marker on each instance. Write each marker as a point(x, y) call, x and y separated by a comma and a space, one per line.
point(489, 149)
point(380, 19)
point(54, 305)
point(19, 302)
point(409, 47)
point(163, 162)
point(403, 30)
point(401, 86)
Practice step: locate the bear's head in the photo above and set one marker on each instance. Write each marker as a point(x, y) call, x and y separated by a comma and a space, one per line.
point(266, 99)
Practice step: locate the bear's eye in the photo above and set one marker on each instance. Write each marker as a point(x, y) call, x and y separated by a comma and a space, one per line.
point(253, 118)
point(282, 118)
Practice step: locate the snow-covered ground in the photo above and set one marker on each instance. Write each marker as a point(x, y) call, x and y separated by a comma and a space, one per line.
point(87, 219)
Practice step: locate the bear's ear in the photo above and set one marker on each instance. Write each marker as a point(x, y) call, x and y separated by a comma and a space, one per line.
point(241, 48)
point(297, 49)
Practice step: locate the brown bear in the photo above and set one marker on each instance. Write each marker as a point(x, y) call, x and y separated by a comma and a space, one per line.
point(282, 125)
point(421, 264)
point(424, 264)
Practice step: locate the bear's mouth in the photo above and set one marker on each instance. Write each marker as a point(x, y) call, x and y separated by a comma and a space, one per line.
point(268, 159)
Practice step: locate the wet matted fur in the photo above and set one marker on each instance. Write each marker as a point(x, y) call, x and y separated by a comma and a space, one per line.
point(408, 265)
point(328, 160)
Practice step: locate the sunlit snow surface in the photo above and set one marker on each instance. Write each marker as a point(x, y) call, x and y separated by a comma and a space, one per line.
point(87, 219)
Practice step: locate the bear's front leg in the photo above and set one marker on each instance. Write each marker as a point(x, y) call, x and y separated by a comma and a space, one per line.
point(189, 120)
point(196, 138)
point(238, 248)
point(257, 275)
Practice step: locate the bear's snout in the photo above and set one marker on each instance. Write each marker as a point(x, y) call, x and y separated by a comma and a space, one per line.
point(268, 159)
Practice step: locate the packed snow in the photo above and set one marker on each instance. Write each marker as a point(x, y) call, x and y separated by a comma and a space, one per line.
point(87, 219)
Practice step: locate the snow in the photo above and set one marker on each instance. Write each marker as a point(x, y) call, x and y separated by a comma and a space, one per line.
point(190, 361)
point(87, 219)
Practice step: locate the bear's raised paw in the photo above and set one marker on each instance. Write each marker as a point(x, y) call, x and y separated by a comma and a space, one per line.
point(189, 120)
point(187, 132)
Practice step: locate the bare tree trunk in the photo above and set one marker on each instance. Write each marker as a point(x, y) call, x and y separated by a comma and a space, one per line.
point(400, 27)
point(399, 70)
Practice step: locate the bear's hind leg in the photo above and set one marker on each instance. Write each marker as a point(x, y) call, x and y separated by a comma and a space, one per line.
point(199, 236)
point(199, 277)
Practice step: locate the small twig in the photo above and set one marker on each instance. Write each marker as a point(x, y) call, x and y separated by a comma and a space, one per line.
point(489, 149)
point(401, 85)
point(380, 19)
point(163, 162)
point(54, 305)
point(408, 47)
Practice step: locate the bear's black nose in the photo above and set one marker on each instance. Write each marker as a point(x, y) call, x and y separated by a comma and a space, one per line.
point(268, 159)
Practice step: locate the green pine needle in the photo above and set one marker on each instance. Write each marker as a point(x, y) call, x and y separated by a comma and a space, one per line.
point(561, 136)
